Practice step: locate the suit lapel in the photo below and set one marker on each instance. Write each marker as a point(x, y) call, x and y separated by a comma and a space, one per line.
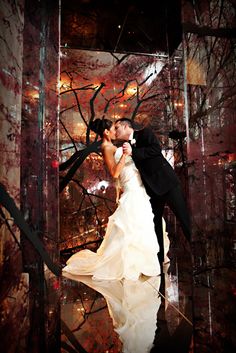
point(135, 135)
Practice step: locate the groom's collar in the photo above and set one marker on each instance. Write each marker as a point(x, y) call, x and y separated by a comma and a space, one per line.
point(131, 136)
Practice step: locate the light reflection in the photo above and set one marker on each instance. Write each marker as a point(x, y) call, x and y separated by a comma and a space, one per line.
point(178, 104)
point(132, 306)
point(116, 116)
point(131, 90)
point(96, 86)
point(172, 291)
point(67, 192)
point(209, 305)
point(35, 95)
point(152, 71)
point(101, 185)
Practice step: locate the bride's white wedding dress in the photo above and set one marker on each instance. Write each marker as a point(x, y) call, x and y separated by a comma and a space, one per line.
point(130, 246)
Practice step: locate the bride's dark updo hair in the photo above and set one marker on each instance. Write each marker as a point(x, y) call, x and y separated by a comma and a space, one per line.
point(100, 125)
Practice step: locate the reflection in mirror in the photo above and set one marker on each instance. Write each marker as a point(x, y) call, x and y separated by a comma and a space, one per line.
point(132, 306)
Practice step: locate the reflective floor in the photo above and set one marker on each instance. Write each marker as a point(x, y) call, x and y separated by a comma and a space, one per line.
point(125, 316)
point(176, 312)
point(153, 314)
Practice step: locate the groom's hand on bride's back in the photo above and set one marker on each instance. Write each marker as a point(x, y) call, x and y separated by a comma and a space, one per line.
point(127, 149)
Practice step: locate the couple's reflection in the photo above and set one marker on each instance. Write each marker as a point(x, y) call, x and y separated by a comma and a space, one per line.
point(133, 307)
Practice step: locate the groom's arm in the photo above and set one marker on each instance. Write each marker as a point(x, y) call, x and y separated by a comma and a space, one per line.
point(151, 147)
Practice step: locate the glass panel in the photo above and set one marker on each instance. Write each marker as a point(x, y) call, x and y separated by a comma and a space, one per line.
point(209, 47)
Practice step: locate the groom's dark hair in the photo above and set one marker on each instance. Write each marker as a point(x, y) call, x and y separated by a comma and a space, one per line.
point(131, 123)
point(126, 121)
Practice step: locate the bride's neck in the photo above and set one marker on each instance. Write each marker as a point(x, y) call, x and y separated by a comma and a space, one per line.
point(106, 140)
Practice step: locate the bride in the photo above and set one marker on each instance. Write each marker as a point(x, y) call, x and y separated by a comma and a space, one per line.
point(129, 248)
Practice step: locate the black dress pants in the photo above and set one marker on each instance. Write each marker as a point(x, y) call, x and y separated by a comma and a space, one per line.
point(175, 200)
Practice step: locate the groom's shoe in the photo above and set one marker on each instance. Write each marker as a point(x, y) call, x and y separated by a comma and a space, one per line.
point(160, 257)
point(161, 268)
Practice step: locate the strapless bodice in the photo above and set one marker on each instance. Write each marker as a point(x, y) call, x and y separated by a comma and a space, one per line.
point(129, 177)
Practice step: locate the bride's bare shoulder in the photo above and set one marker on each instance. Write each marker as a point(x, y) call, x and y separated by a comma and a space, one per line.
point(108, 148)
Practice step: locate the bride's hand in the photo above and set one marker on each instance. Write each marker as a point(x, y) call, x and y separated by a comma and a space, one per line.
point(127, 149)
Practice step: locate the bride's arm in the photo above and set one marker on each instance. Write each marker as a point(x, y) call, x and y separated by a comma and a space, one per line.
point(113, 167)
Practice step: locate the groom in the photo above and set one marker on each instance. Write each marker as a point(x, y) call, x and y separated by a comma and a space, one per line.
point(159, 178)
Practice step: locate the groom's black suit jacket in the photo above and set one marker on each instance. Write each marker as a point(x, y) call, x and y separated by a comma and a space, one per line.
point(157, 174)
